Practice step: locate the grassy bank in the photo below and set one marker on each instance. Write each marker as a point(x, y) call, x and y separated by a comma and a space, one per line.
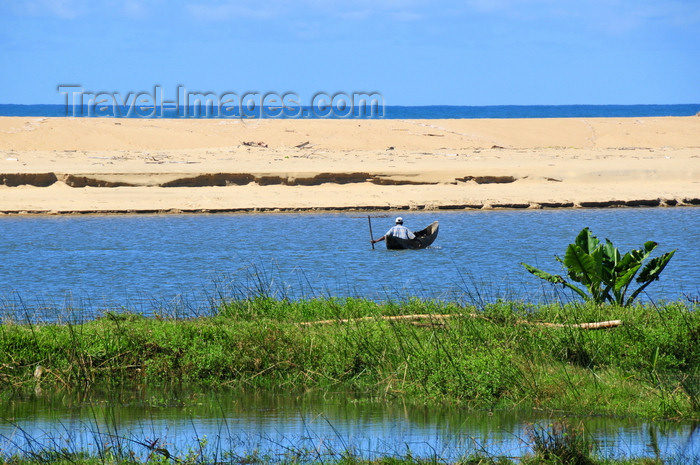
point(500, 356)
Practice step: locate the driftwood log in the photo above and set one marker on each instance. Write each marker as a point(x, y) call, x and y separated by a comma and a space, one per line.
point(441, 318)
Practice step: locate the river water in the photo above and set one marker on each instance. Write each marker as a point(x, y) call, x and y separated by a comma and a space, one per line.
point(79, 266)
point(310, 428)
point(56, 268)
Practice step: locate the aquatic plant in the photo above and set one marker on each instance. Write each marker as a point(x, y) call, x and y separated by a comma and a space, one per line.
point(560, 443)
point(605, 273)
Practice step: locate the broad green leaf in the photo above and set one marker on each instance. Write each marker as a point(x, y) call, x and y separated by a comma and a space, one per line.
point(654, 267)
point(629, 259)
point(578, 261)
point(626, 278)
point(587, 241)
point(598, 256)
point(555, 279)
point(633, 260)
point(649, 246)
point(610, 252)
point(651, 272)
point(622, 284)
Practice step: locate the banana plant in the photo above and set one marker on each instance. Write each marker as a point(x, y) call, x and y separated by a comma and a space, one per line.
point(605, 274)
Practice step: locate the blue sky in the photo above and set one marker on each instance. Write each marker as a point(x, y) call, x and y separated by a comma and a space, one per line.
point(469, 52)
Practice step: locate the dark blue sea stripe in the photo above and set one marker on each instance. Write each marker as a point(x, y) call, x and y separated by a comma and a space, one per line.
point(412, 112)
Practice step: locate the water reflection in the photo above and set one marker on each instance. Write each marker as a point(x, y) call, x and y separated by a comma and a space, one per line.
point(280, 425)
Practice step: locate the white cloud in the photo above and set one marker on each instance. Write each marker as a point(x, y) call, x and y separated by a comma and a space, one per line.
point(63, 9)
point(610, 16)
point(224, 11)
point(136, 9)
point(302, 9)
point(406, 16)
point(74, 9)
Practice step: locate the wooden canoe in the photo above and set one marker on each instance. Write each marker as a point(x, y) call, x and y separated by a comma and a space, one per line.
point(423, 239)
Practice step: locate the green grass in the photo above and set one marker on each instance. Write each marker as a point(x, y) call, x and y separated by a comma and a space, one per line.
point(499, 356)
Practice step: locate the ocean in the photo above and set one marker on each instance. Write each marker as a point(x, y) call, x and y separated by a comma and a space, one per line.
point(385, 112)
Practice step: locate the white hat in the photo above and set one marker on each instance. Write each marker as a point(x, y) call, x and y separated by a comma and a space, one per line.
point(399, 220)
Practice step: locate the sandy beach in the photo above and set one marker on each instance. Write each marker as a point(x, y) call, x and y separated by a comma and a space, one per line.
point(107, 165)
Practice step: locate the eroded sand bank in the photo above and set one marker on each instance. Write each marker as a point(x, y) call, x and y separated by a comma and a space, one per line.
point(80, 165)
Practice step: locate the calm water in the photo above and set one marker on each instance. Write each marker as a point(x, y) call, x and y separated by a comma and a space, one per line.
point(310, 426)
point(183, 264)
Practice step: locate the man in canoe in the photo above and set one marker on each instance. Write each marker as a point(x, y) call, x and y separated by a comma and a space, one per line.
point(398, 230)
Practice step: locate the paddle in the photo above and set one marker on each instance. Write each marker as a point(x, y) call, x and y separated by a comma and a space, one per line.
point(371, 236)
